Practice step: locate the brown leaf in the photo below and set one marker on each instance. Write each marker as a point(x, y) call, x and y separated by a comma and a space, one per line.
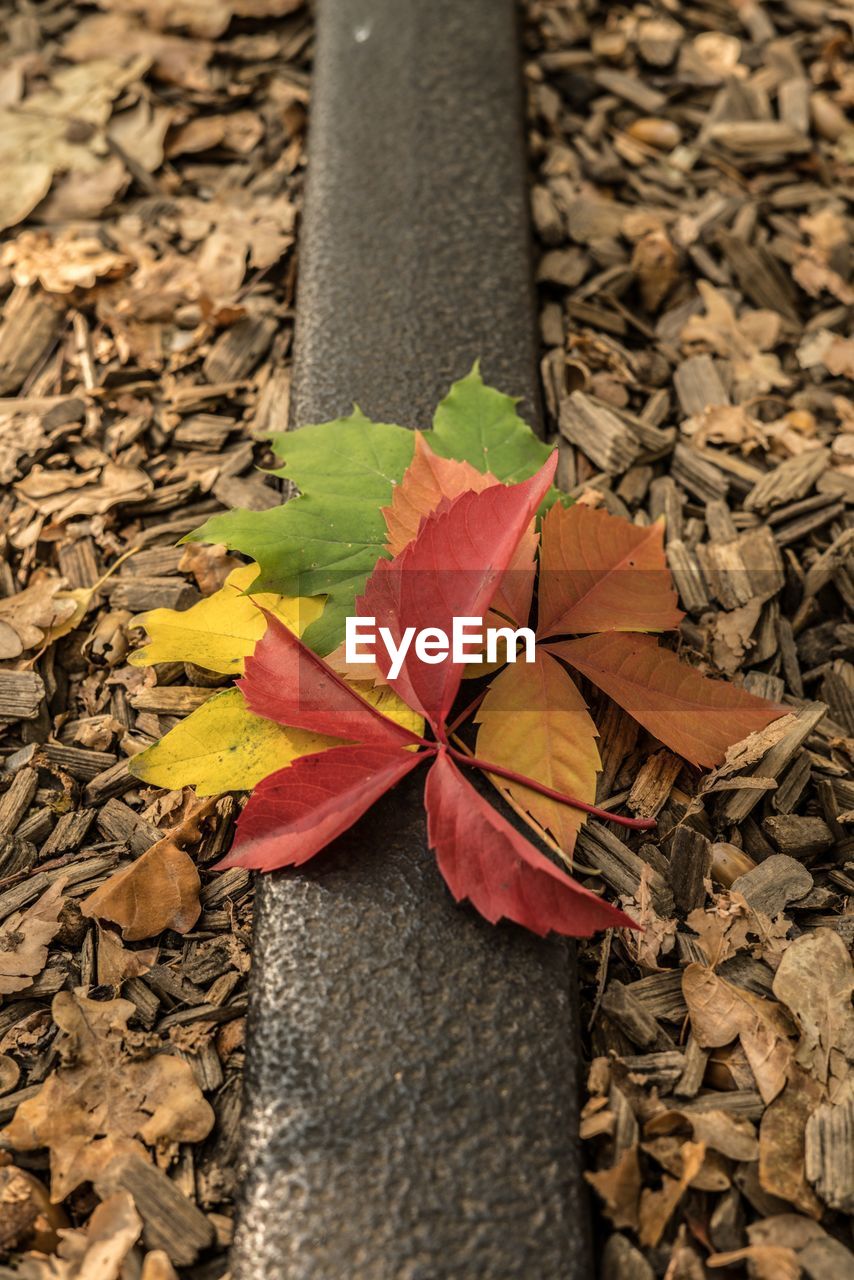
point(160, 890)
point(104, 1097)
point(815, 979)
point(28, 615)
point(48, 492)
point(656, 1207)
point(116, 963)
point(24, 939)
point(60, 263)
point(781, 1143)
point(744, 340)
point(720, 1011)
point(619, 1188)
point(765, 1261)
point(97, 1251)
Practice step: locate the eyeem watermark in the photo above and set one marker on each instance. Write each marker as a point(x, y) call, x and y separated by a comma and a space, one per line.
point(469, 641)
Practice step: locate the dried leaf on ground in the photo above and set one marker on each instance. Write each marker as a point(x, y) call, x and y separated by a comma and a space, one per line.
point(107, 1097)
point(25, 937)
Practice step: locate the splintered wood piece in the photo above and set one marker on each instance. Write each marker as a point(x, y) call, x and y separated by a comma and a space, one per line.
point(634, 1020)
point(238, 349)
point(799, 836)
point(738, 804)
point(599, 433)
point(696, 1057)
point(170, 1221)
point(688, 576)
point(21, 695)
point(661, 994)
point(117, 821)
point(31, 324)
point(653, 784)
point(829, 1154)
point(698, 385)
point(621, 867)
point(788, 481)
point(697, 474)
point(69, 833)
point(172, 700)
point(775, 883)
point(690, 863)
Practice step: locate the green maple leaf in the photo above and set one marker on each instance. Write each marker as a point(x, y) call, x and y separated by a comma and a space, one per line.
point(327, 540)
point(477, 424)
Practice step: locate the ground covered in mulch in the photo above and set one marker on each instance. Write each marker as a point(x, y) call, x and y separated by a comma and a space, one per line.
point(152, 170)
point(693, 176)
point(692, 171)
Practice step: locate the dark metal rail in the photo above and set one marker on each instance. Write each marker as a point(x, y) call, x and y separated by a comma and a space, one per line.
point(411, 1075)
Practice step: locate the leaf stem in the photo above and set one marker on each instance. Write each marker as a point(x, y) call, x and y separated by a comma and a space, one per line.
point(464, 714)
point(474, 762)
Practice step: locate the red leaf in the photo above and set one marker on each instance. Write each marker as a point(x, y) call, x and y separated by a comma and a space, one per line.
point(452, 569)
point(484, 859)
point(601, 573)
point(694, 716)
point(294, 813)
point(286, 682)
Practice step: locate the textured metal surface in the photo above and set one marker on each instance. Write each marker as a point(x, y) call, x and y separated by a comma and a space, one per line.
point(412, 1071)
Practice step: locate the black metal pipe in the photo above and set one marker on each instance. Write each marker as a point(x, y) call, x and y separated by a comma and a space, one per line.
point(412, 1071)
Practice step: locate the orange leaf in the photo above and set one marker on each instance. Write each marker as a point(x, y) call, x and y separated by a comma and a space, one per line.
point(694, 716)
point(533, 720)
point(427, 480)
point(430, 482)
point(601, 573)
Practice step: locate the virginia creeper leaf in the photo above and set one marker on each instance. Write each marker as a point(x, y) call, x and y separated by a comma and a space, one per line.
point(696, 717)
point(482, 858)
point(222, 746)
point(288, 683)
point(294, 813)
point(534, 720)
point(601, 573)
point(451, 570)
point(480, 425)
point(221, 631)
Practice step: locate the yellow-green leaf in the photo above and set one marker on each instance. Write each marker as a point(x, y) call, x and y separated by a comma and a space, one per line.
point(219, 633)
point(223, 746)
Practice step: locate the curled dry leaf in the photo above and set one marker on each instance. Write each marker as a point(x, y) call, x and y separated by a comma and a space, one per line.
point(744, 340)
point(62, 262)
point(48, 491)
point(24, 939)
point(160, 890)
point(720, 1012)
point(105, 1100)
point(29, 615)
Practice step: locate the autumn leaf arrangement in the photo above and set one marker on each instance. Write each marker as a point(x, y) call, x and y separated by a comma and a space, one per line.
point(413, 530)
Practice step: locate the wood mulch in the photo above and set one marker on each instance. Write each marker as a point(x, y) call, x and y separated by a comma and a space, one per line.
point(152, 170)
point(693, 178)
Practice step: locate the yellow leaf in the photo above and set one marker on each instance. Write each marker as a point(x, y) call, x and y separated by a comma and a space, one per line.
point(534, 720)
point(223, 746)
point(220, 632)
